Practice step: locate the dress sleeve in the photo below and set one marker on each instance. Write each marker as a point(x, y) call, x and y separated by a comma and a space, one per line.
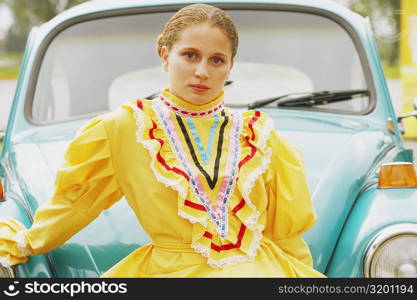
point(290, 209)
point(85, 185)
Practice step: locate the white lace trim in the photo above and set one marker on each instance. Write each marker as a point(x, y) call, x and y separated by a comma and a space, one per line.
point(150, 146)
point(199, 248)
point(5, 262)
point(233, 154)
point(191, 113)
point(248, 186)
point(174, 184)
point(250, 256)
point(6, 219)
point(22, 243)
point(266, 133)
point(193, 220)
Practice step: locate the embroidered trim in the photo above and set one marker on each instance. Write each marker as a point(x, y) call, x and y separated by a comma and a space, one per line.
point(191, 113)
point(249, 184)
point(233, 155)
point(250, 256)
point(22, 243)
point(219, 248)
point(218, 214)
point(153, 149)
point(250, 222)
point(205, 154)
point(211, 181)
point(266, 160)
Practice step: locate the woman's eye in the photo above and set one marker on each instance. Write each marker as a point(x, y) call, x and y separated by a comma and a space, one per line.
point(217, 60)
point(190, 55)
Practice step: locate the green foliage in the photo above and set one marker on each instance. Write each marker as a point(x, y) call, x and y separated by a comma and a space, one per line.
point(29, 13)
point(391, 71)
point(9, 73)
point(383, 14)
point(10, 65)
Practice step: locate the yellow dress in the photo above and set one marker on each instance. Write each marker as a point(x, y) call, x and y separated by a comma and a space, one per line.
point(220, 192)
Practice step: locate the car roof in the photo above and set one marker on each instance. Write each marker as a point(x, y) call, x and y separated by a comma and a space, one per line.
point(103, 5)
point(97, 6)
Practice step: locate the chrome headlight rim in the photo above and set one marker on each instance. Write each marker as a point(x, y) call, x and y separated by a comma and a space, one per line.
point(383, 236)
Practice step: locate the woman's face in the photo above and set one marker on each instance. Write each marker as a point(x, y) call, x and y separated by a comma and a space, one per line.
point(198, 63)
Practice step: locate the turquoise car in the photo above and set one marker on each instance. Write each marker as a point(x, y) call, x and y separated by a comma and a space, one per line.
point(313, 66)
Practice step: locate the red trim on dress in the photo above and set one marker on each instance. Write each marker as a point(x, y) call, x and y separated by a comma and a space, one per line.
point(189, 112)
point(139, 104)
point(253, 148)
point(239, 206)
point(160, 158)
point(194, 205)
point(208, 235)
point(252, 121)
point(227, 246)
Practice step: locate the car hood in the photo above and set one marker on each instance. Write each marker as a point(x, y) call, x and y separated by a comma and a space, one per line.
point(331, 149)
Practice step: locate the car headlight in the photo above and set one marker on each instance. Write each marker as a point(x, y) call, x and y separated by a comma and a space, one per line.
point(393, 252)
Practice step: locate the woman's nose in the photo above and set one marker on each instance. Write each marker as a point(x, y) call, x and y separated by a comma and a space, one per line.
point(201, 71)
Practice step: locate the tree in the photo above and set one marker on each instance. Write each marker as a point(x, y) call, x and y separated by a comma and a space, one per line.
point(385, 19)
point(29, 13)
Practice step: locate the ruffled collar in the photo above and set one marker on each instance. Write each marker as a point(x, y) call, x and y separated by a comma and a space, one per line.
point(186, 109)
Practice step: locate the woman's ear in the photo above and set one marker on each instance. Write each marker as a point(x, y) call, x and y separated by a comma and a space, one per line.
point(164, 57)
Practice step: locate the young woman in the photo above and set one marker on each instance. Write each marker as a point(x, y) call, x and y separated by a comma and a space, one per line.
point(219, 192)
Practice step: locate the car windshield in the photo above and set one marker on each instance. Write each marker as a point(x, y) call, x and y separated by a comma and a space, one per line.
point(96, 65)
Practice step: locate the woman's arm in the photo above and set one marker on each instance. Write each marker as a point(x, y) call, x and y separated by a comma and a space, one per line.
point(85, 185)
point(290, 209)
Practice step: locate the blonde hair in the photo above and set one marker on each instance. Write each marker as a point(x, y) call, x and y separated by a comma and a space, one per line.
point(198, 14)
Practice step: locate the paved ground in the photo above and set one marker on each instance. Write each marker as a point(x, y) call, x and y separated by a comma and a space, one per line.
point(7, 88)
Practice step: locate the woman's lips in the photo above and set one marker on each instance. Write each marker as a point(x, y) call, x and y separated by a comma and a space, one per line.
point(199, 87)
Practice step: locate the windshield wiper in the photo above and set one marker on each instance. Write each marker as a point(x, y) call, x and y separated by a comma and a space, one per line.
point(310, 98)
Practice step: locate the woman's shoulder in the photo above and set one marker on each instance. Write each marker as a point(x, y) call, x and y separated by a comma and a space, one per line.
point(261, 125)
point(253, 113)
point(257, 127)
point(126, 112)
point(120, 118)
point(257, 120)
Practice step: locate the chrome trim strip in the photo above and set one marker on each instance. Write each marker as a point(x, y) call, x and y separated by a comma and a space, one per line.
point(398, 163)
point(380, 238)
point(372, 177)
point(390, 154)
point(13, 181)
point(19, 197)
